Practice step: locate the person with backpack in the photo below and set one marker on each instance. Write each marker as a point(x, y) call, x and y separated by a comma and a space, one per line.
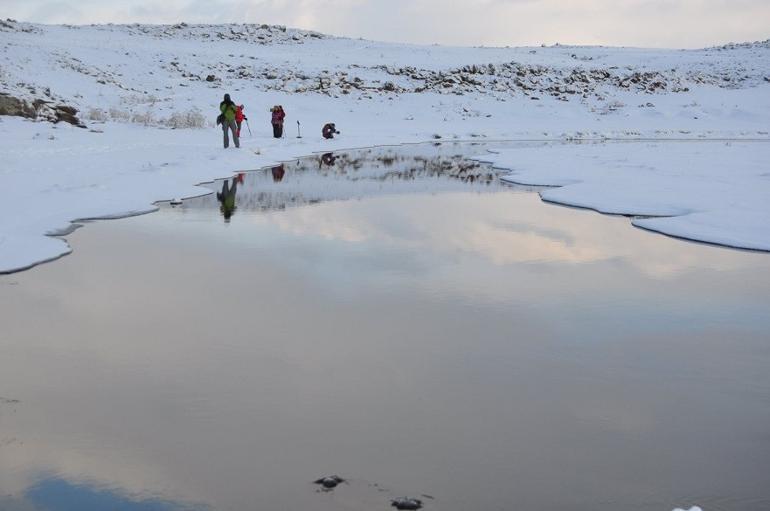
point(277, 120)
point(239, 118)
point(228, 109)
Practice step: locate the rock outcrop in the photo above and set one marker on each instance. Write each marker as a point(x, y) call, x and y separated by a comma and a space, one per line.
point(39, 109)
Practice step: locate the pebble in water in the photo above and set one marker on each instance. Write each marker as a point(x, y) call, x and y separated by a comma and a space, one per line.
point(406, 503)
point(329, 482)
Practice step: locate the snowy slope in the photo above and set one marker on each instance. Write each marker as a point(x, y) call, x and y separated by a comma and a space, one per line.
point(132, 84)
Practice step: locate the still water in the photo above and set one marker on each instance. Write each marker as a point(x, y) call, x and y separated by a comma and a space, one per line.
point(397, 317)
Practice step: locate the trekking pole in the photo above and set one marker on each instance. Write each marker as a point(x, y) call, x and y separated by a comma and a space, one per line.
point(298, 134)
point(249, 127)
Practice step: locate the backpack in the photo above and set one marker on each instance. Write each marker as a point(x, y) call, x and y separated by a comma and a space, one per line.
point(220, 119)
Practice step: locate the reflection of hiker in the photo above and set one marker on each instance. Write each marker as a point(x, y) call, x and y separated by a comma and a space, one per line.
point(227, 107)
point(226, 198)
point(329, 130)
point(278, 172)
point(328, 159)
point(239, 118)
point(277, 120)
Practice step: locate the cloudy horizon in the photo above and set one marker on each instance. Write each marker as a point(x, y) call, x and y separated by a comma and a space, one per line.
point(641, 23)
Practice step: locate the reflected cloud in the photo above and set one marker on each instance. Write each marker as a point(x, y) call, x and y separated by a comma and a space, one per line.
point(504, 229)
point(307, 222)
point(57, 494)
point(507, 227)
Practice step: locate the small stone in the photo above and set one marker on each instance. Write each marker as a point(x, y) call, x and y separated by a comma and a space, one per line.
point(329, 482)
point(406, 503)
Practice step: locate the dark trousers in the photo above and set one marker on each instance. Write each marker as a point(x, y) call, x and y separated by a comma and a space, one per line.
point(277, 130)
point(232, 126)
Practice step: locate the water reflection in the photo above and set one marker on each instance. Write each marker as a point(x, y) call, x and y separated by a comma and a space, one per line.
point(56, 494)
point(359, 174)
point(226, 197)
point(278, 172)
point(328, 159)
point(487, 349)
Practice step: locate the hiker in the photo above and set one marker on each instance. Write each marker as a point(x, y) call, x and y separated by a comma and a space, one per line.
point(228, 109)
point(277, 120)
point(226, 198)
point(329, 130)
point(239, 118)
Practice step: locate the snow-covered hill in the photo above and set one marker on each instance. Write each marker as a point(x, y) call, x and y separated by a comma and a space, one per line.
point(131, 83)
point(171, 67)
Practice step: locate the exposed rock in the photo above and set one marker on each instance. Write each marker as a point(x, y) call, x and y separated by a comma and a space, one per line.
point(38, 109)
point(406, 503)
point(67, 114)
point(10, 105)
point(328, 483)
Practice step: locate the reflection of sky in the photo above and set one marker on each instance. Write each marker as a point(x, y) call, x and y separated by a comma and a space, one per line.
point(60, 495)
point(516, 342)
point(504, 229)
point(434, 244)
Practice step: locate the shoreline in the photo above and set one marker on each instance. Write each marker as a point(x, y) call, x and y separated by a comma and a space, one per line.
point(548, 142)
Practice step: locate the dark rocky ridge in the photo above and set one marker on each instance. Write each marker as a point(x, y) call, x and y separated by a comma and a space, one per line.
point(38, 109)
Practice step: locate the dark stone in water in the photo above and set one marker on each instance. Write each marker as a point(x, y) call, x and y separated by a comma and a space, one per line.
point(329, 482)
point(406, 503)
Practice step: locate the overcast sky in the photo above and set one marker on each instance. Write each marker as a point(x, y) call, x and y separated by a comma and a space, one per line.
point(651, 23)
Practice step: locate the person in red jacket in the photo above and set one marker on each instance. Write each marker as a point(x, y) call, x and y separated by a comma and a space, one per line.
point(277, 120)
point(239, 118)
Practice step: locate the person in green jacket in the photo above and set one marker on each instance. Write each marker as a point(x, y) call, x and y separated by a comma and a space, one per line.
point(228, 109)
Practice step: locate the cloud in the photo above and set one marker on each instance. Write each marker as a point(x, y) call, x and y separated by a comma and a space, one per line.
point(651, 23)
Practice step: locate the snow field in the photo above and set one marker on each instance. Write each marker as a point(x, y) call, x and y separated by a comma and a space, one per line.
point(132, 84)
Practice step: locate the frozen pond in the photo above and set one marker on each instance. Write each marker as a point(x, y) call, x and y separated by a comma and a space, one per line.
point(397, 317)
